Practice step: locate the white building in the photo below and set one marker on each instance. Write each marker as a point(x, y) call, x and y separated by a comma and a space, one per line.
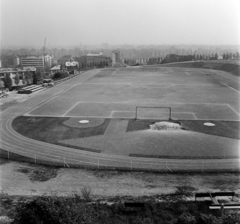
point(48, 60)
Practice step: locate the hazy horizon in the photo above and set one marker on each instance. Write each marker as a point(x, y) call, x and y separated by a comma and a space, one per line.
point(120, 22)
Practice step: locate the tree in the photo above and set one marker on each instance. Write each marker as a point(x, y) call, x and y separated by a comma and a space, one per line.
point(16, 79)
point(237, 55)
point(2, 85)
point(8, 82)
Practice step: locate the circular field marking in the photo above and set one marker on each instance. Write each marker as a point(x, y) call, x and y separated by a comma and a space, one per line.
point(84, 121)
point(209, 124)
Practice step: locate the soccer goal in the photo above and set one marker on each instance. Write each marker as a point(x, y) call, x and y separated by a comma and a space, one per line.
point(163, 113)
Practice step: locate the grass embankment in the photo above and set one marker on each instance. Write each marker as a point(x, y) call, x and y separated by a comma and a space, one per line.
point(52, 130)
point(230, 67)
point(228, 129)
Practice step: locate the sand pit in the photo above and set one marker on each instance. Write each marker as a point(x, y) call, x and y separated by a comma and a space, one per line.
point(165, 125)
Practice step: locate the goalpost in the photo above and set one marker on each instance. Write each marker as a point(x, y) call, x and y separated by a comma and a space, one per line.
point(153, 110)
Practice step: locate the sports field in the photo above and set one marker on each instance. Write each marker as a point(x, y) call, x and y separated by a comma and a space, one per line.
point(192, 94)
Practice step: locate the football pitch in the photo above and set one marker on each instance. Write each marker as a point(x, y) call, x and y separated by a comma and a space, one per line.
point(192, 94)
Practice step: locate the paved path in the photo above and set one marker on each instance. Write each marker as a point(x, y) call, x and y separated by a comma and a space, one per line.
point(116, 127)
point(12, 141)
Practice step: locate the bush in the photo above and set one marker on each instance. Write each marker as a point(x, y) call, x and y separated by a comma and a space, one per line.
point(186, 218)
point(208, 219)
point(86, 193)
point(60, 75)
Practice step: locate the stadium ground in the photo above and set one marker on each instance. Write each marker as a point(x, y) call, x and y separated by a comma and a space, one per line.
point(192, 94)
point(116, 93)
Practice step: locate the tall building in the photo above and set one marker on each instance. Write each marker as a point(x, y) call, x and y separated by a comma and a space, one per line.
point(116, 57)
point(33, 61)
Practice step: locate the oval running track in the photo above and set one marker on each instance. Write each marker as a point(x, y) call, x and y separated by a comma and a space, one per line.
point(45, 153)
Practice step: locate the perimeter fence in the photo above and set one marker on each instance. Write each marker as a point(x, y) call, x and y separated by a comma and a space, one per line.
point(94, 162)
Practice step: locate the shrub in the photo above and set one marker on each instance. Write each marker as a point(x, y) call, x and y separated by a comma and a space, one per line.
point(86, 193)
point(186, 218)
point(60, 75)
point(208, 219)
point(233, 218)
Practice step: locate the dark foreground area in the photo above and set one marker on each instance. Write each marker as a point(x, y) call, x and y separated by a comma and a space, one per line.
point(80, 209)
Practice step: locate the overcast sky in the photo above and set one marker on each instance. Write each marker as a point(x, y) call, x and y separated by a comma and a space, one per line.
point(93, 22)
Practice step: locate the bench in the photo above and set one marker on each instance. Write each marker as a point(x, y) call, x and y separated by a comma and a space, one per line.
point(214, 195)
point(225, 206)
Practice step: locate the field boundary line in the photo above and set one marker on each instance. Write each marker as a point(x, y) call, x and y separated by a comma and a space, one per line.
point(229, 86)
point(233, 109)
point(58, 92)
point(70, 109)
point(61, 93)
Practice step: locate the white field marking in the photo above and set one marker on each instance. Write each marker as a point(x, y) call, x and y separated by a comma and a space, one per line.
point(70, 109)
point(229, 87)
point(62, 92)
point(187, 73)
point(58, 92)
point(113, 72)
point(106, 83)
point(121, 111)
point(185, 113)
point(233, 109)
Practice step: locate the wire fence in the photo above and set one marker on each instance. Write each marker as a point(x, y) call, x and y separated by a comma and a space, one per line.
point(169, 166)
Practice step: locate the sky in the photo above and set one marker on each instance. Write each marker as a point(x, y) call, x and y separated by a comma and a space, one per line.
point(134, 22)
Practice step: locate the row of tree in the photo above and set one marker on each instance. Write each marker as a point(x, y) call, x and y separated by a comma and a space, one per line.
point(178, 58)
point(27, 78)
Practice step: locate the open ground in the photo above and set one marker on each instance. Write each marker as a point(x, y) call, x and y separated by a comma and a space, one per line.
point(192, 94)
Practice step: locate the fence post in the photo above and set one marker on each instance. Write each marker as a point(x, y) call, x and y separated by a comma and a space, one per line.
point(64, 162)
point(168, 167)
point(8, 154)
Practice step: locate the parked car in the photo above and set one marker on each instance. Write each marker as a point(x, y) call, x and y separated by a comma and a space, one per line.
point(47, 82)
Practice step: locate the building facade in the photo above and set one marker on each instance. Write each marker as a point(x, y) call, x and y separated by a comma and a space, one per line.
point(66, 58)
point(116, 57)
point(48, 60)
point(10, 61)
point(33, 61)
point(18, 77)
point(94, 60)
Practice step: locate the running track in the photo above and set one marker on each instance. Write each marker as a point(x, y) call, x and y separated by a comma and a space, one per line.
point(47, 153)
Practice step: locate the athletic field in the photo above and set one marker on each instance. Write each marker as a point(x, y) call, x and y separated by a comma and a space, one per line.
point(192, 94)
